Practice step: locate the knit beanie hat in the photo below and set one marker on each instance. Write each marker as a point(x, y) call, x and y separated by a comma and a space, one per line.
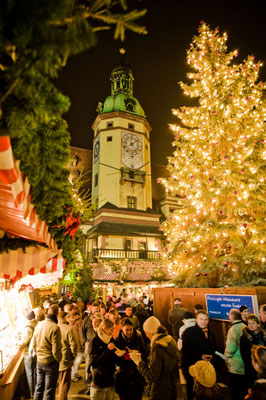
point(30, 315)
point(151, 325)
point(204, 373)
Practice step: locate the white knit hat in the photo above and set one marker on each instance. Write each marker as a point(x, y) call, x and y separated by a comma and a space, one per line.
point(151, 325)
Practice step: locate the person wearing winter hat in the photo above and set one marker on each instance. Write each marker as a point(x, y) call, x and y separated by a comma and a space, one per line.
point(161, 371)
point(205, 386)
point(29, 359)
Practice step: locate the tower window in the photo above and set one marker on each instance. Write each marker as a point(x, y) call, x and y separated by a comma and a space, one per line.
point(146, 147)
point(109, 138)
point(172, 210)
point(109, 124)
point(95, 180)
point(131, 126)
point(131, 202)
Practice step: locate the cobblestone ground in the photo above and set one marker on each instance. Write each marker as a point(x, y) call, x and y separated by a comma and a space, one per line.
point(77, 390)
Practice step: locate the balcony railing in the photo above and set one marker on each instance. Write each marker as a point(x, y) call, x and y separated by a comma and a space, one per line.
point(121, 254)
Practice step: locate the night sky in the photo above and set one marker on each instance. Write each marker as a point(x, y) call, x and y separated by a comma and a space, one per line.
point(158, 61)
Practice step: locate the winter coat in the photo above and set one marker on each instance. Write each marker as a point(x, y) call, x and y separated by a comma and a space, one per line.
point(187, 324)
point(161, 371)
point(47, 341)
point(101, 363)
point(175, 318)
point(69, 346)
point(87, 331)
point(76, 323)
point(28, 334)
point(247, 340)
point(195, 344)
point(234, 362)
point(128, 378)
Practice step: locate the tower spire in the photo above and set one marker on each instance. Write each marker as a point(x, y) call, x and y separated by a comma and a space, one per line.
point(122, 76)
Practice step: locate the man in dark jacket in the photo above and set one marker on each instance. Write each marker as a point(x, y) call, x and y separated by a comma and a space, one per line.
point(47, 346)
point(198, 344)
point(175, 317)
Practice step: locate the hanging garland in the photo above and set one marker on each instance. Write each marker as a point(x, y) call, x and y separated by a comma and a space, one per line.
point(8, 244)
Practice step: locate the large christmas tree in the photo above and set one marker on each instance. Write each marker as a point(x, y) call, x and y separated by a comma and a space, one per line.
point(217, 170)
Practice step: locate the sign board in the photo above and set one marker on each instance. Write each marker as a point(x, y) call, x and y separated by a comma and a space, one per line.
point(219, 305)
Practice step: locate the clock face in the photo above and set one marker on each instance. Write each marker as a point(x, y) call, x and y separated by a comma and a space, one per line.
point(131, 145)
point(96, 150)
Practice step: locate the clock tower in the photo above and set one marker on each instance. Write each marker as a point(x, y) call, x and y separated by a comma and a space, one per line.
point(121, 146)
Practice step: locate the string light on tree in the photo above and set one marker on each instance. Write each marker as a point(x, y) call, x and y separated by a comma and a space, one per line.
point(217, 170)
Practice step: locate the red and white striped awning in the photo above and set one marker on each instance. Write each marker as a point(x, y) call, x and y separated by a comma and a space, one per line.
point(16, 264)
point(17, 215)
point(133, 276)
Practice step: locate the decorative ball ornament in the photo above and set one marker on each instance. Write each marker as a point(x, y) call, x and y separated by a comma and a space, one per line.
point(225, 263)
point(245, 225)
point(235, 192)
point(220, 212)
point(210, 179)
point(243, 171)
point(262, 140)
point(204, 273)
point(197, 274)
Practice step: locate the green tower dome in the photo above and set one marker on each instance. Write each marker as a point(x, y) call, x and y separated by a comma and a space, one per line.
point(121, 98)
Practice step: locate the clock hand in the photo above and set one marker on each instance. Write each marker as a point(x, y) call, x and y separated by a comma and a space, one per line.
point(142, 166)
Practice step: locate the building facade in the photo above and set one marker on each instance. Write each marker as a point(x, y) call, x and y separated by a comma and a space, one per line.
point(124, 234)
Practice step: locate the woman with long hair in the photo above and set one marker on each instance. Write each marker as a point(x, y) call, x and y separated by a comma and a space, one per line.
point(162, 369)
point(116, 319)
point(251, 335)
point(102, 362)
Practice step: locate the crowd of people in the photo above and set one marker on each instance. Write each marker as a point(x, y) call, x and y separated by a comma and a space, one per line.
point(127, 351)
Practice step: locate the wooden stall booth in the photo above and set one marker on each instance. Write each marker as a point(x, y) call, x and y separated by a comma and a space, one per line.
point(219, 324)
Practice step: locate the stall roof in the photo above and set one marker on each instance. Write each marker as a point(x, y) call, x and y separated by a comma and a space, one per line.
point(133, 276)
point(18, 216)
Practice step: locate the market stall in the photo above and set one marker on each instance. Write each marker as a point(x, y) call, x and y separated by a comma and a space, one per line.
point(27, 248)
